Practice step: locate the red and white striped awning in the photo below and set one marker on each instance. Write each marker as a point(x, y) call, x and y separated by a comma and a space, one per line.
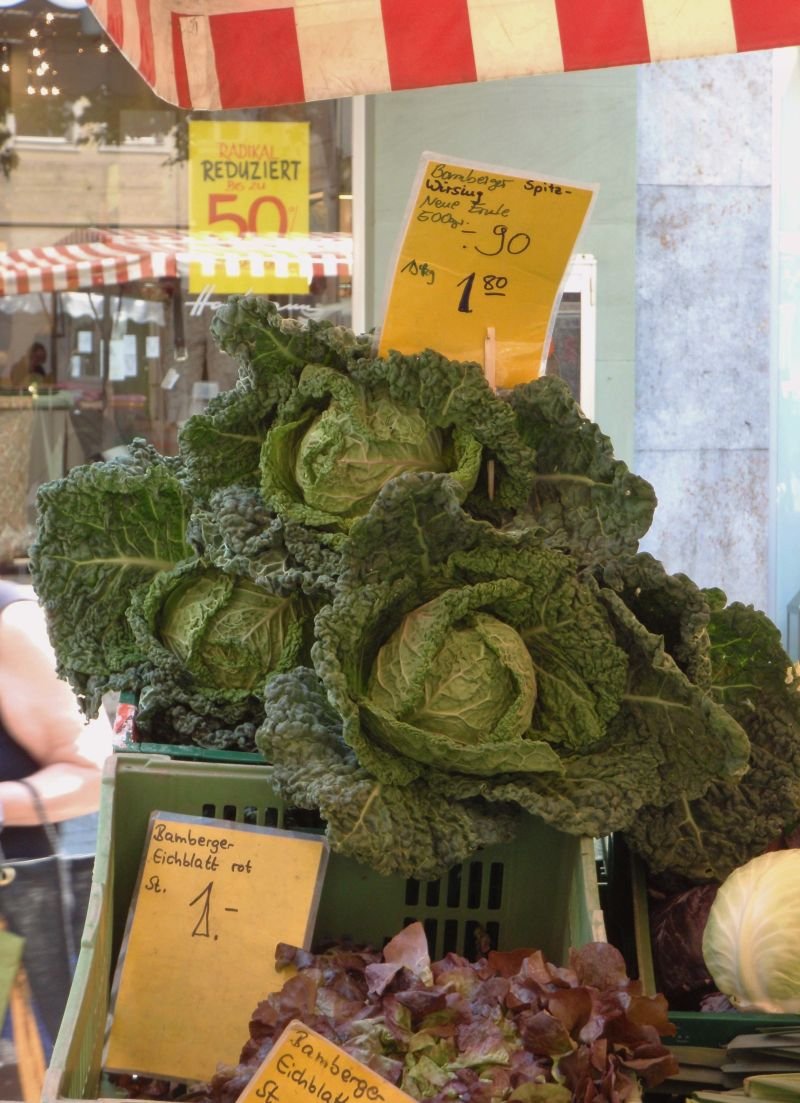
point(218, 54)
point(97, 258)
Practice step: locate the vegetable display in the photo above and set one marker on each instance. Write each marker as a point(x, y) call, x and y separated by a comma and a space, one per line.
point(508, 1027)
point(424, 655)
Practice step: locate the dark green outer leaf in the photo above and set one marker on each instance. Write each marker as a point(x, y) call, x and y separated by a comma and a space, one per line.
point(588, 502)
point(706, 839)
point(669, 606)
point(221, 447)
point(253, 331)
point(103, 532)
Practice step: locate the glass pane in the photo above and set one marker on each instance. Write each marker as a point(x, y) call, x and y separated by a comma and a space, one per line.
point(88, 147)
point(564, 356)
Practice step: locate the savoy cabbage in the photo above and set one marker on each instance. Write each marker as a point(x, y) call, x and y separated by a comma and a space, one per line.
point(423, 650)
point(607, 724)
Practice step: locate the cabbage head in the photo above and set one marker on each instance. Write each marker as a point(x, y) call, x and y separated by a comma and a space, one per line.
point(337, 443)
point(461, 677)
point(454, 684)
point(751, 942)
point(470, 672)
point(342, 460)
point(227, 632)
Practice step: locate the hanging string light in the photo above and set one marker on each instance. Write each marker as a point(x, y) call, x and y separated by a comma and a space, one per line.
point(41, 72)
point(26, 40)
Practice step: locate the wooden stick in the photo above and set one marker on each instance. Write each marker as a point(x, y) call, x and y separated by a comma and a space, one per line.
point(490, 371)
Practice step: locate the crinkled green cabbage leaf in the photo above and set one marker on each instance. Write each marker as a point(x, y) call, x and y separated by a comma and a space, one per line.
point(587, 502)
point(237, 533)
point(103, 531)
point(221, 447)
point(380, 825)
point(670, 606)
point(706, 838)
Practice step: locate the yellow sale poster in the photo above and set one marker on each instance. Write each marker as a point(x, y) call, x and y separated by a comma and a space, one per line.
point(249, 179)
point(483, 250)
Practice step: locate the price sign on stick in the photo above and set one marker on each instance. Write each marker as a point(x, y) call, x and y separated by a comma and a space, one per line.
point(304, 1067)
point(212, 902)
point(482, 248)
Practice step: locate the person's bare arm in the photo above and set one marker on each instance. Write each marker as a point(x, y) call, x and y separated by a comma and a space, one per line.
point(41, 713)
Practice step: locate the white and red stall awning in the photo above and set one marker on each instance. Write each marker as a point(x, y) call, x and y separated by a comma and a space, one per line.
point(219, 54)
point(97, 258)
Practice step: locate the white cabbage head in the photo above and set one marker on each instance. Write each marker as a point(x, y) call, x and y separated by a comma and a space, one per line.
point(751, 942)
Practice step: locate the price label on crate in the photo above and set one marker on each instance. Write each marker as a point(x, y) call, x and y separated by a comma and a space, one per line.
point(483, 248)
point(304, 1067)
point(213, 900)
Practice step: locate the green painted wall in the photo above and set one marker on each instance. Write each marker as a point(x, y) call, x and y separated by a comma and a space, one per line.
point(579, 126)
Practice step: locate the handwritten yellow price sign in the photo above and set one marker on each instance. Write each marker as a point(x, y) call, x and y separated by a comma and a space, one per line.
point(483, 248)
point(248, 178)
point(212, 901)
point(304, 1067)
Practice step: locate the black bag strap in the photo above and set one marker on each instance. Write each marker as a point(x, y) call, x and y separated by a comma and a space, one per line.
point(63, 869)
point(41, 812)
point(44, 819)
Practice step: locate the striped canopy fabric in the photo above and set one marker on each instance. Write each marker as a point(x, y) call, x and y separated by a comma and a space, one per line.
point(219, 54)
point(98, 258)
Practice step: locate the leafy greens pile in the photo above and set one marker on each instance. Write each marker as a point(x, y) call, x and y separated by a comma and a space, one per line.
point(508, 1027)
point(322, 573)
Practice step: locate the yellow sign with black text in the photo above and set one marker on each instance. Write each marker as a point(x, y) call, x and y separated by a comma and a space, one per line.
point(248, 179)
point(304, 1067)
point(483, 249)
point(213, 900)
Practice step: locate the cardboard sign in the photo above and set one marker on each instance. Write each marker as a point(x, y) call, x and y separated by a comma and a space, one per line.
point(248, 178)
point(304, 1067)
point(483, 248)
point(212, 901)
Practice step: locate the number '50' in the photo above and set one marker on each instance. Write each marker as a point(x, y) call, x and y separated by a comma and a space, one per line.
point(250, 224)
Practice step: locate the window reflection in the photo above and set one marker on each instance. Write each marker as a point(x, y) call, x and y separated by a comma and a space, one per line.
point(85, 146)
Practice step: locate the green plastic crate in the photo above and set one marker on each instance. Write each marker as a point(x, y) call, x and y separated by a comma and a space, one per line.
point(539, 891)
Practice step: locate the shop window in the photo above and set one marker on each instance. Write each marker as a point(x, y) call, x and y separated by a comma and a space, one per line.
point(89, 149)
